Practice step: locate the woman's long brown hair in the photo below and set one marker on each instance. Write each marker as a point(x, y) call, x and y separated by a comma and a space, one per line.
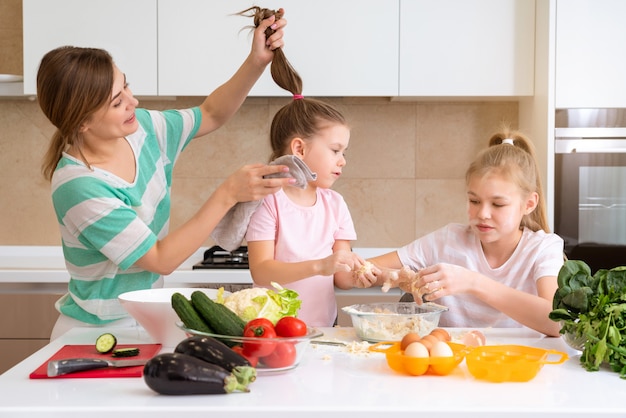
point(72, 84)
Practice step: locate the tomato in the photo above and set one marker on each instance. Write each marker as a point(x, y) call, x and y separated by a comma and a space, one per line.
point(260, 328)
point(284, 355)
point(251, 359)
point(290, 326)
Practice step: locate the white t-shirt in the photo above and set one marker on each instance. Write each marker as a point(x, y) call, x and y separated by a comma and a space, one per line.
point(537, 255)
point(305, 233)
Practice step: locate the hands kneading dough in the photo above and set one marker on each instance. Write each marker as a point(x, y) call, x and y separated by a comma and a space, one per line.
point(365, 276)
point(404, 279)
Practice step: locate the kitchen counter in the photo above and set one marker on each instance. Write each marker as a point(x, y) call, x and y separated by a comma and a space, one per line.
point(23, 266)
point(42, 268)
point(330, 380)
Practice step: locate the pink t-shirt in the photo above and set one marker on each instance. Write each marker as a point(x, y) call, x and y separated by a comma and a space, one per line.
point(537, 255)
point(305, 233)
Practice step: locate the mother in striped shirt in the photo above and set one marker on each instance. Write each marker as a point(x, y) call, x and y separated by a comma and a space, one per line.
point(110, 165)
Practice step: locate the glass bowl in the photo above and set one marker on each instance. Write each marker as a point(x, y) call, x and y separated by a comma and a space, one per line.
point(287, 353)
point(379, 322)
point(571, 337)
point(577, 342)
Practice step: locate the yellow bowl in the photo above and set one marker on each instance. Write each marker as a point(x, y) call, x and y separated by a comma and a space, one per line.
point(510, 363)
point(416, 366)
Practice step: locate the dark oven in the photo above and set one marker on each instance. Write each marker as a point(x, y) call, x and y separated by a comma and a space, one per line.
point(590, 185)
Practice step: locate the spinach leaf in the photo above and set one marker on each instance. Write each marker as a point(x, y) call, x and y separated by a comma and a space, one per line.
point(593, 307)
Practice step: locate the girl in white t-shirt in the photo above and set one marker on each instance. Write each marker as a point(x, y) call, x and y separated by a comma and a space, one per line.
point(300, 238)
point(499, 270)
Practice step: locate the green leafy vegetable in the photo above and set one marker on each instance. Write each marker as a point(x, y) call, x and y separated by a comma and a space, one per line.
point(258, 302)
point(594, 307)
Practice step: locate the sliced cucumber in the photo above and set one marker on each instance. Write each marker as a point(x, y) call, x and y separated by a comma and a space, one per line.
point(125, 352)
point(106, 343)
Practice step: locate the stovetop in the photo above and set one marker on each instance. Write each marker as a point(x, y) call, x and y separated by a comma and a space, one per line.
point(218, 258)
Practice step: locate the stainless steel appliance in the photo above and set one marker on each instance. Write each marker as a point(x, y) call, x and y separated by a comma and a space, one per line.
point(590, 185)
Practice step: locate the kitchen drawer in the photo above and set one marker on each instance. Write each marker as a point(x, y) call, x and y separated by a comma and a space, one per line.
point(27, 316)
point(27, 324)
point(14, 351)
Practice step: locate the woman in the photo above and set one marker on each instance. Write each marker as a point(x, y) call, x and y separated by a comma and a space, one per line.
point(110, 165)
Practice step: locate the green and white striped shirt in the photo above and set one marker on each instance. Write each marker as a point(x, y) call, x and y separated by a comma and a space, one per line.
point(107, 224)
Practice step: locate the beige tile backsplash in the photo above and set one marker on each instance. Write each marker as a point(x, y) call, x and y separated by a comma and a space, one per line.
point(404, 177)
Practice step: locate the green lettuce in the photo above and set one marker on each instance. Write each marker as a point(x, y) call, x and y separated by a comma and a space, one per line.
point(259, 302)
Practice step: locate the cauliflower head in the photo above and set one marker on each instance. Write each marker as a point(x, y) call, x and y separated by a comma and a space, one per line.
point(258, 302)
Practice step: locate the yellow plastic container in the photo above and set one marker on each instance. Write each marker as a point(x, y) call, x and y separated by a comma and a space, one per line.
point(510, 363)
point(418, 366)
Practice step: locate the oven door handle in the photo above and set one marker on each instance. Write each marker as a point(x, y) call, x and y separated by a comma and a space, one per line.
point(587, 145)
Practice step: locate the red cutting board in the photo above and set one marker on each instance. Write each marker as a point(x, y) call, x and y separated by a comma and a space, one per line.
point(146, 351)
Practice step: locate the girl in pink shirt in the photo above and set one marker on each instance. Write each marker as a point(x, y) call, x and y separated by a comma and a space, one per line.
point(300, 238)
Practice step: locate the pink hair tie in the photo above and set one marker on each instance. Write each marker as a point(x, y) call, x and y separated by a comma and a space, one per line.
point(298, 96)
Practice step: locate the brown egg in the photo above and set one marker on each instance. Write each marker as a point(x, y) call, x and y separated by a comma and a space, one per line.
point(441, 334)
point(429, 341)
point(474, 338)
point(409, 338)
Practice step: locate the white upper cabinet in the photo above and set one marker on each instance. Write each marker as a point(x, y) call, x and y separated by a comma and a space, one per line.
point(590, 54)
point(467, 47)
point(126, 29)
point(339, 48)
point(428, 48)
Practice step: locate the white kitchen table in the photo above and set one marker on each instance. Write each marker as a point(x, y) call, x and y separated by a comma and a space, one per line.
point(330, 381)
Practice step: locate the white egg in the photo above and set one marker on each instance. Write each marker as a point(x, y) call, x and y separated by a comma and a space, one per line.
point(441, 349)
point(416, 349)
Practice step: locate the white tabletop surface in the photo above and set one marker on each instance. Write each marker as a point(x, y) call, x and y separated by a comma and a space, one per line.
point(329, 381)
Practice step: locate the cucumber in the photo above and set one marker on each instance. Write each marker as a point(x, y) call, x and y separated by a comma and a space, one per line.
point(217, 316)
point(188, 314)
point(106, 343)
point(125, 352)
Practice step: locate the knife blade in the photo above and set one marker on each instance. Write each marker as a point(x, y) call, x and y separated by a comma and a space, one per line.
point(328, 342)
point(71, 365)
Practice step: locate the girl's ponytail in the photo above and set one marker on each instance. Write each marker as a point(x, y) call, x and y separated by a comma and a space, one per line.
point(281, 69)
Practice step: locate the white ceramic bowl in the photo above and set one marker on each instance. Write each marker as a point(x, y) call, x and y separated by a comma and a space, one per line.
point(152, 308)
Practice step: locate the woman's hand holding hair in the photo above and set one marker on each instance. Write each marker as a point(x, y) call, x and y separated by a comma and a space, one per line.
point(263, 47)
point(247, 183)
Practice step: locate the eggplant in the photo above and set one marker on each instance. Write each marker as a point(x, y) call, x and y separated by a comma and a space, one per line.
point(182, 374)
point(214, 351)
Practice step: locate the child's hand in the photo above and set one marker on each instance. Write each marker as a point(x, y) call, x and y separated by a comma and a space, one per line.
point(340, 261)
point(402, 278)
point(365, 275)
point(442, 279)
point(406, 279)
